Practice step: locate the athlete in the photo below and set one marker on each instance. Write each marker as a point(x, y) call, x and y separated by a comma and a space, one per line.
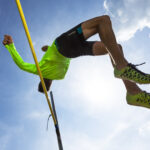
point(73, 43)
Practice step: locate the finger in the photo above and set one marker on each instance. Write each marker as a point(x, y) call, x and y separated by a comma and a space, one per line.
point(4, 42)
point(6, 35)
point(7, 38)
point(10, 38)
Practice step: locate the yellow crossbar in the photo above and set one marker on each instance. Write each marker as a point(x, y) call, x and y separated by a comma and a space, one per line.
point(34, 56)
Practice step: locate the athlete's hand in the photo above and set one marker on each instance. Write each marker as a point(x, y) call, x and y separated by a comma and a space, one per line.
point(44, 48)
point(7, 40)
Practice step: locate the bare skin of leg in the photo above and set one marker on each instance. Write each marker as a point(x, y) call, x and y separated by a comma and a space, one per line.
point(102, 25)
point(100, 49)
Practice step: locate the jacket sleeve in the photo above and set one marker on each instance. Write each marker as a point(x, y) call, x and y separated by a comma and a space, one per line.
point(19, 61)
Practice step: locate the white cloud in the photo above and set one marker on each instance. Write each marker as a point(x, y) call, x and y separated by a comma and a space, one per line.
point(76, 140)
point(7, 134)
point(73, 139)
point(37, 115)
point(106, 5)
point(131, 16)
point(117, 131)
point(4, 141)
point(144, 130)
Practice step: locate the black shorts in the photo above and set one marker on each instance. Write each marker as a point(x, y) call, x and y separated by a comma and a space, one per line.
point(72, 44)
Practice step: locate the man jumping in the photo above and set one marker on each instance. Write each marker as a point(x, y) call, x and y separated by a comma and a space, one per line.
point(73, 43)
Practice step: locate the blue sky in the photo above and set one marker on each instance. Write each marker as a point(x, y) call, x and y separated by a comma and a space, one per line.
point(90, 102)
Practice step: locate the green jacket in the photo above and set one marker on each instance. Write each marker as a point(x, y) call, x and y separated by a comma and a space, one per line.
point(53, 65)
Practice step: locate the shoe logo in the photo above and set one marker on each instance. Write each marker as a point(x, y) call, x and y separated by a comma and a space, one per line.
point(71, 33)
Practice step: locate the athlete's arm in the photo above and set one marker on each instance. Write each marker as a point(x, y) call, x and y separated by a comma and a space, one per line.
point(47, 84)
point(8, 43)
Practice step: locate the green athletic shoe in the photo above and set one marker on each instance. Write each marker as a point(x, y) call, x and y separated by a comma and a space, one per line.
point(141, 99)
point(133, 74)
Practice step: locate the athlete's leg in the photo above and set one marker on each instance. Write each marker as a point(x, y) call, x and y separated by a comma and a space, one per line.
point(131, 87)
point(102, 25)
point(100, 49)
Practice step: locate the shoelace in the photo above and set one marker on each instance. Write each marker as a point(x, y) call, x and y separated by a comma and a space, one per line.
point(134, 67)
point(145, 93)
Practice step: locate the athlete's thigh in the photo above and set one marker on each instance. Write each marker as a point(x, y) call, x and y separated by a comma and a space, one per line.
point(90, 27)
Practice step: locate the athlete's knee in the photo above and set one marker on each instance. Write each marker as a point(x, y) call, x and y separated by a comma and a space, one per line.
point(106, 19)
point(104, 26)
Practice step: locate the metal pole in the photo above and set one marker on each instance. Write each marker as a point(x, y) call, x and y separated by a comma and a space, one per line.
point(57, 125)
point(34, 56)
